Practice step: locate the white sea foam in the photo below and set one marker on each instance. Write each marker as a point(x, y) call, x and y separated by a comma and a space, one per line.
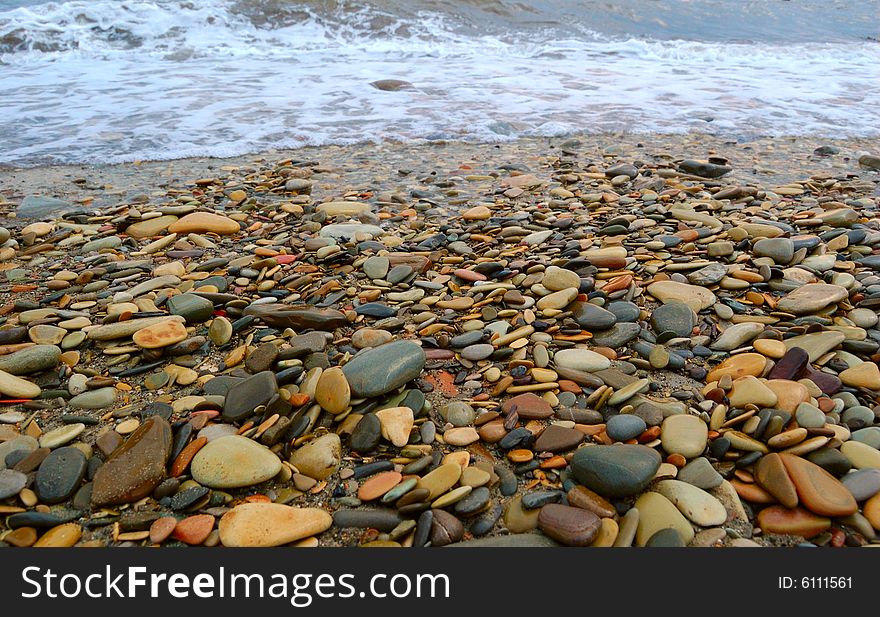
point(112, 81)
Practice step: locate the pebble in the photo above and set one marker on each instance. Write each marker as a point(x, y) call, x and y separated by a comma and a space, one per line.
point(615, 471)
point(233, 462)
point(319, 459)
point(656, 512)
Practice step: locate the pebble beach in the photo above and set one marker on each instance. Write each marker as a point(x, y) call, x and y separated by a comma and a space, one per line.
point(589, 341)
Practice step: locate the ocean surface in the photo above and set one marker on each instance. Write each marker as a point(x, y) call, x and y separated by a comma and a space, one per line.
point(90, 81)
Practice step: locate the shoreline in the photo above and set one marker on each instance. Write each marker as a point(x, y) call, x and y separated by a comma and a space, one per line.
point(779, 160)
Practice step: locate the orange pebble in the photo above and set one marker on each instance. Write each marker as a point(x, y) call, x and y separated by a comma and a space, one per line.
point(554, 462)
point(520, 455)
point(676, 459)
point(180, 464)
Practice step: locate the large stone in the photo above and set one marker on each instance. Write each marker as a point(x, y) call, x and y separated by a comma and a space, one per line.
point(40, 206)
point(676, 317)
point(319, 459)
point(528, 406)
point(749, 390)
point(780, 250)
point(31, 360)
point(11, 483)
point(248, 394)
point(378, 370)
point(811, 298)
point(592, 317)
point(739, 365)
point(697, 505)
point(737, 335)
point(60, 474)
point(200, 222)
point(332, 392)
point(192, 307)
point(150, 227)
point(568, 525)
point(581, 360)
point(684, 434)
point(557, 300)
point(135, 468)
point(234, 462)
point(44, 334)
point(818, 491)
point(864, 375)
point(440, 480)
point(270, 524)
point(17, 388)
point(697, 298)
point(615, 471)
point(298, 317)
point(396, 423)
point(656, 513)
point(861, 455)
point(160, 335)
point(125, 329)
point(771, 474)
point(343, 208)
point(557, 438)
point(557, 279)
point(708, 275)
point(100, 398)
point(792, 521)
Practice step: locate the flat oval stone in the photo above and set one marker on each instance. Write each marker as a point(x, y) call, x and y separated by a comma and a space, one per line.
point(818, 490)
point(582, 497)
point(246, 395)
point(615, 471)
point(557, 438)
point(332, 392)
point(378, 485)
point(135, 468)
point(60, 475)
point(31, 360)
point(794, 521)
point(625, 427)
point(62, 536)
point(16, 387)
point(592, 317)
point(474, 502)
point(684, 434)
point(461, 436)
point(697, 505)
point(160, 335)
point(234, 462)
point(201, 222)
point(861, 455)
point(440, 480)
point(581, 360)
point(862, 484)
point(11, 483)
point(61, 435)
point(568, 525)
point(379, 370)
point(99, 398)
point(811, 298)
point(697, 298)
point(528, 406)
